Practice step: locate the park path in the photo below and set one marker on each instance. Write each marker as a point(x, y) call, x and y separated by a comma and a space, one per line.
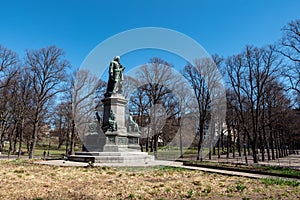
point(228, 172)
point(163, 163)
point(291, 161)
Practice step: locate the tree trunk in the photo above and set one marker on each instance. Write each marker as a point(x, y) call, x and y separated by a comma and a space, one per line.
point(147, 144)
point(262, 146)
point(21, 138)
point(141, 146)
point(209, 152)
point(222, 141)
point(199, 157)
point(147, 139)
point(67, 140)
point(227, 144)
point(254, 152)
point(239, 143)
point(72, 145)
point(245, 154)
point(201, 132)
point(180, 142)
point(276, 145)
point(272, 143)
point(219, 148)
point(11, 138)
point(2, 139)
point(266, 143)
point(16, 135)
point(155, 145)
point(233, 145)
point(33, 139)
point(61, 136)
point(151, 144)
point(248, 147)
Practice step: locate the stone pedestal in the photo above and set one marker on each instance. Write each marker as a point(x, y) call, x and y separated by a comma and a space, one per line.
point(113, 157)
point(116, 103)
point(118, 140)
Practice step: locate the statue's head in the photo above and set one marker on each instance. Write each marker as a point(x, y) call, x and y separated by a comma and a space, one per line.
point(117, 58)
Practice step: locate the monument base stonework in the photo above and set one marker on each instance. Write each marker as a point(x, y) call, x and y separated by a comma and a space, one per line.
point(117, 146)
point(116, 142)
point(113, 157)
point(119, 140)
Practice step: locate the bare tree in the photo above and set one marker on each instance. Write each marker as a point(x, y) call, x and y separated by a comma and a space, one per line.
point(84, 86)
point(152, 98)
point(290, 42)
point(47, 73)
point(9, 68)
point(289, 46)
point(186, 104)
point(5, 117)
point(205, 82)
point(21, 103)
point(249, 73)
point(62, 119)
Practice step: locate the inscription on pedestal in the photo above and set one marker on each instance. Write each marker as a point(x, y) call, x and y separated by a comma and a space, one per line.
point(122, 140)
point(111, 140)
point(133, 141)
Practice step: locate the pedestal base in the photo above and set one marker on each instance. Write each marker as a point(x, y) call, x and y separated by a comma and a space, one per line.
point(121, 141)
point(117, 144)
point(112, 157)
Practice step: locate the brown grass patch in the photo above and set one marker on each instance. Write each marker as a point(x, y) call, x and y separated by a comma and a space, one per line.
point(25, 180)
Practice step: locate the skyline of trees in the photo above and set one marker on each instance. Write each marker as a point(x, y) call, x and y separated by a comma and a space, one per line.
point(262, 90)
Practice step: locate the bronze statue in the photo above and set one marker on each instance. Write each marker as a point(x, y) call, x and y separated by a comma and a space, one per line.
point(132, 125)
point(116, 77)
point(112, 122)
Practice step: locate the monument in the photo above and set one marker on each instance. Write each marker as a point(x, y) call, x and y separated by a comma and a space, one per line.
point(117, 141)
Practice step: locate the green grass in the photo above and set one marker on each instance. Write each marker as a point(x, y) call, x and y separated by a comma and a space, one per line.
point(281, 170)
point(169, 168)
point(40, 148)
point(268, 169)
point(157, 168)
point(174, 152)
point(240, 187)
point(279, 181)
point(40, 152)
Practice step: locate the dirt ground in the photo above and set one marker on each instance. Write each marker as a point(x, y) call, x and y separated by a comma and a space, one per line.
point(25, 180)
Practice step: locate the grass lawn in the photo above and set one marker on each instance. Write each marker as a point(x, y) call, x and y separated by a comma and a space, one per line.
point(271, 170)
point(40, 148)
point(22, 179)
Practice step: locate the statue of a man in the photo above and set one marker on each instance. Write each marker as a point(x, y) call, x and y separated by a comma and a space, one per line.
point(116, 77)
point(112, 122)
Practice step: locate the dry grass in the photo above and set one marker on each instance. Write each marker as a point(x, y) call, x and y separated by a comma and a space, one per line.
point(25, 180)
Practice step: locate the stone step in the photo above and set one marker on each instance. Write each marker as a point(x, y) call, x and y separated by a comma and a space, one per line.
point(111, 157)
point(111, 153)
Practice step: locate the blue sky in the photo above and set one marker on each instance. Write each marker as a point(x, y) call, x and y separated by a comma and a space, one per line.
point(222, 27)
